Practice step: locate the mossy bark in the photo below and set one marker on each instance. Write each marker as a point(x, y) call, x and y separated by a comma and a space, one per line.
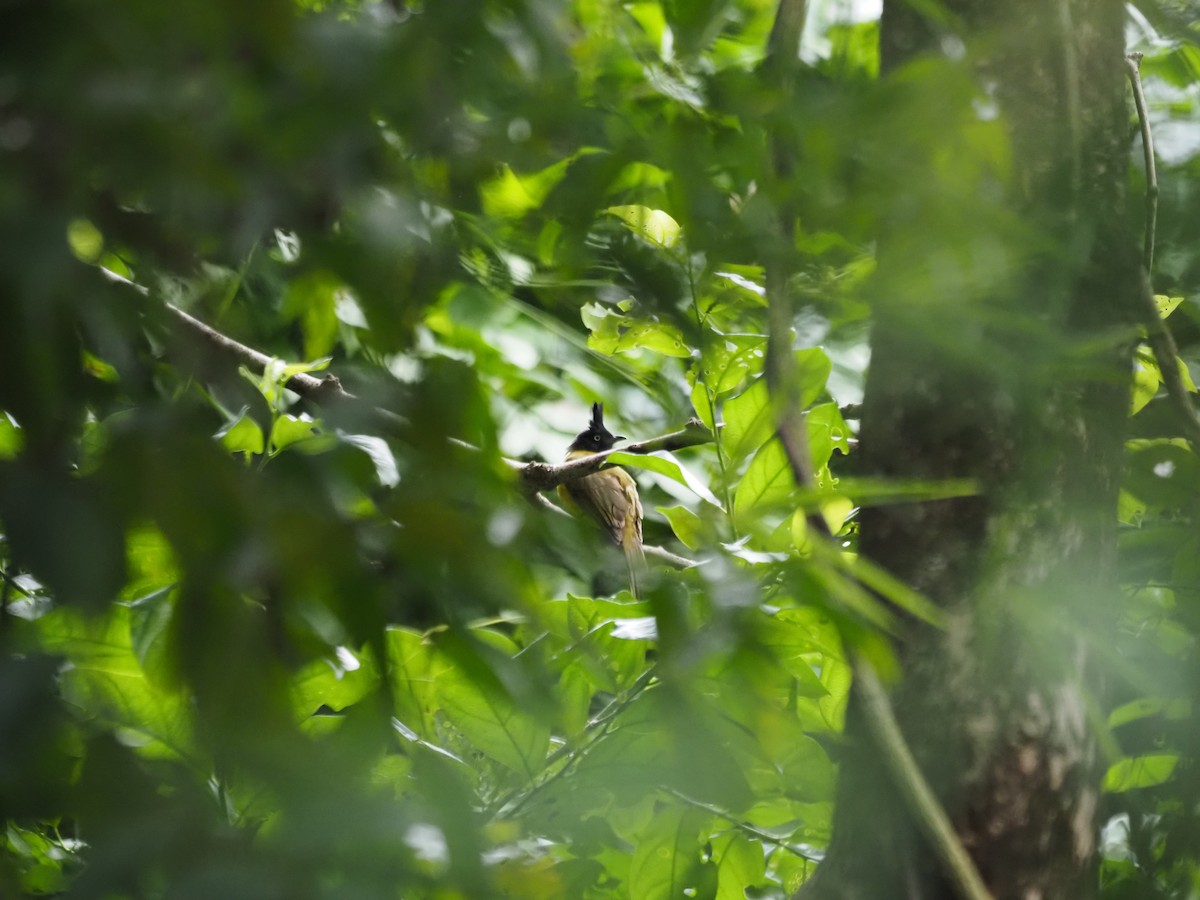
point(995, 706)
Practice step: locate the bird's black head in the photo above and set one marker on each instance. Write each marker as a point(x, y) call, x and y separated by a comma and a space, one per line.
point(597, 438)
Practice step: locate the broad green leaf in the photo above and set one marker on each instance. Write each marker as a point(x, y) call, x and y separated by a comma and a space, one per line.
point(1144, 707)
point(685, 523)
point(151, 562)
point(668, 862)
point(242, 435)
point(740, 865)
point(1140, 772)
point(313, 299)
point(665, 463)
point(509, 195)
point(489, 719)
point(415, 667)
point(812, 372)
point(767, 482)
point(288, 430)
point(1166, 305)
point(652, 225)
point(732, 358)
point(337, 683)
point(612, 664)
point(611, 333)
point(106, 681)
point(826, 426)
point(748, 421)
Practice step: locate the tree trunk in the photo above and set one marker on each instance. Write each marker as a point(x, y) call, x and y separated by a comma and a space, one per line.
point(1001, 382)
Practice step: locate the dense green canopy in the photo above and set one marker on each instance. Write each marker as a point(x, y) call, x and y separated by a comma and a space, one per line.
point(259, 638)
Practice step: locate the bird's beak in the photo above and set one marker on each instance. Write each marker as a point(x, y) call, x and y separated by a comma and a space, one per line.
point(619, 437)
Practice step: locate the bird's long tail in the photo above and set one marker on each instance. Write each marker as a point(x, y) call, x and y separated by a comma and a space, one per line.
point(635, 561)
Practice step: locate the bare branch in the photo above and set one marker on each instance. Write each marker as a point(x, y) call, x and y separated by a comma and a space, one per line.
point(327, 392)
point(744, 826)
point(539, 476)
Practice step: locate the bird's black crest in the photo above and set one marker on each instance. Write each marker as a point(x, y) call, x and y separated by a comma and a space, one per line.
point(596, 438)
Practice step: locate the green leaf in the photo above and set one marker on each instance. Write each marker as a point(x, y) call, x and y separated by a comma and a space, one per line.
point(242, 435)
point(812, 372)
point(702, 404)
point(1146, 378)
point(767, 482)
point(313, 299)
point(288, 430)
point(740, 865)
point(730, 359)
point(652, 225)
point(611, 333)
point(748, 421)
point(11, 438)
point(664, 463)
point(686, 525)
point(415, 667)
point(1140, 772)
point(1144, 707)
point(668, 862)
point(1166, 305)
point(494, 724)
point(337, 683)
point(106, 681)
point(85, 240)
point(511, 196)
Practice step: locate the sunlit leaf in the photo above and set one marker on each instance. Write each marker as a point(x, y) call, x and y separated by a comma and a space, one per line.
point(1140, 772)
point(653, 225)
point(664, 463)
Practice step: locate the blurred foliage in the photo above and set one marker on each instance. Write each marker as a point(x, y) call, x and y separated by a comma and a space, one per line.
point(249, 648)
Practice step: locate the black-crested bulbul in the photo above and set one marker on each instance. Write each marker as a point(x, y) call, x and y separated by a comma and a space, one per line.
point(609, 496)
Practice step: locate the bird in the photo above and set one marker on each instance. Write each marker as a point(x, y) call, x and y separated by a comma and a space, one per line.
point(609, 497)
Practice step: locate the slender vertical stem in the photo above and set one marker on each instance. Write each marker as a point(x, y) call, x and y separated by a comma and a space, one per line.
point(1133, 68)
point(712, 407)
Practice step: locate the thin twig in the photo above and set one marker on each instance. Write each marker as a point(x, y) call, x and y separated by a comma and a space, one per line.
point(327, 392)
point(1133, 69)
point(918, 795)
point(599, 727)
point(745, 827)
point(1158, 333)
